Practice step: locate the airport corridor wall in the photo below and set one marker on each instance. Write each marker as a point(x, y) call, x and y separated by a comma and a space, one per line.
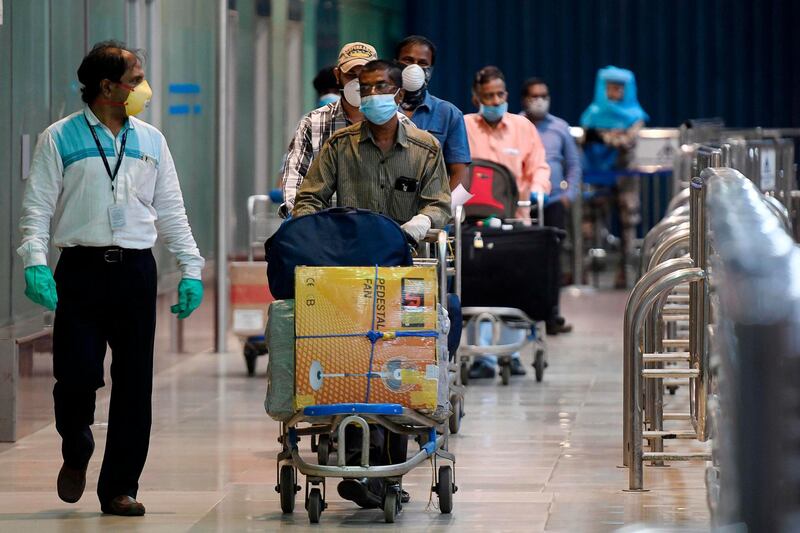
point(736, 59)
point(274, 49)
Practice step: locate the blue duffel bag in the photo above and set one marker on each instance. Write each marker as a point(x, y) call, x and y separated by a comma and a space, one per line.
point(339, 236)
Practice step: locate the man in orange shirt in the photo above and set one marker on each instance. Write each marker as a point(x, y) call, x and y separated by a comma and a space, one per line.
point(511, 140)
point(505, 138)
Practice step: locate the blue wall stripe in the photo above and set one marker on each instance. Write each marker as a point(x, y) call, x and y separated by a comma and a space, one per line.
point(184, 88)
point(182, 109)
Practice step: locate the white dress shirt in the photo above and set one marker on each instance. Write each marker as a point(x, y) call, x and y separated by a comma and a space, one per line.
point(68, 182)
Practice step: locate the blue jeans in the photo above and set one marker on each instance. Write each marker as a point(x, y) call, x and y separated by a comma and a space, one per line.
point(507, 336)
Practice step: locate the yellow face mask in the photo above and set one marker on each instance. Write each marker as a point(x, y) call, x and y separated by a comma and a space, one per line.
point(138, 97)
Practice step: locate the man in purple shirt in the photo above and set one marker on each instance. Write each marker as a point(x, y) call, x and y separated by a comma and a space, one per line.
point(563, 159)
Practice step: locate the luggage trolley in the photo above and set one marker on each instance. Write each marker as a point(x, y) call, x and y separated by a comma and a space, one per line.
point(448, 255)
point(525, 258)
point(248, 299)
point(326, 425)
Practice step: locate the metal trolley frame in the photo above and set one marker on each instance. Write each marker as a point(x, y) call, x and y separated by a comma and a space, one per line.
point(323, 422)
point(499, 316)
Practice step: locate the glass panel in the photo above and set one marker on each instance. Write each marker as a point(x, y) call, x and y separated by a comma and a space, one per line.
point(30, 102)
point(188, 55)
point(243, 178)
point(68, 46)
point(106, 20)
point(7, 225)
point(377, 22)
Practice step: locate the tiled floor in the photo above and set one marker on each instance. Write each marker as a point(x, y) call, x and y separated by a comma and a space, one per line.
point(531, 457)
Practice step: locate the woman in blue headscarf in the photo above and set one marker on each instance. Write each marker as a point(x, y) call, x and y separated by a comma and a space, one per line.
point(612, 122)
point(615, 105)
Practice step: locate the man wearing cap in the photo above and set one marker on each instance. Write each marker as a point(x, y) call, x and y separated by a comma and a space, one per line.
point(317, 126)
point(388, 167)
point(438, 117)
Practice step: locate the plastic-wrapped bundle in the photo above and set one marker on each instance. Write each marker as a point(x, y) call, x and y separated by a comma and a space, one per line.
point(280, 370)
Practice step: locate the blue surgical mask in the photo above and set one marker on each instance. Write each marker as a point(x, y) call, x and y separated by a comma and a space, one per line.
point(326, 99)
point(493, 113)
point(379, 108)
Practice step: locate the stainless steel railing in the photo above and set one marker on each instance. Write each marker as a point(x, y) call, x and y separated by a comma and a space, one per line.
point(645, 366)
point(652, 340)
point(674, 296)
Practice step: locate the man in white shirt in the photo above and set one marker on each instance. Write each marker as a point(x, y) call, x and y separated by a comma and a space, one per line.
point(108, 182)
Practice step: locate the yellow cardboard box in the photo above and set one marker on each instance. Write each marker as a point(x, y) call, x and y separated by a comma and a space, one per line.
point(336, 308)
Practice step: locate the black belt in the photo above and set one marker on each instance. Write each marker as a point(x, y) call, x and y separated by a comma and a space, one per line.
point(109, 254)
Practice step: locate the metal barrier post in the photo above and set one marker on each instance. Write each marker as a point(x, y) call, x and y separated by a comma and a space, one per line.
point(654, 404)
point(630, 342)
point(222, 190)
point(459, 213)
point(577, 235)
point(634, 317)
point(698, 303)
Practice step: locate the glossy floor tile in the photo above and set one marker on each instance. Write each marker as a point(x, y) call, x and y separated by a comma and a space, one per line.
point(531, 457)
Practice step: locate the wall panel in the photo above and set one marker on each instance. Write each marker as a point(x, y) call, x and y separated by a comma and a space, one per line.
point(7, 224)
point(188, 57)
point(731, 58)
point(30, 115)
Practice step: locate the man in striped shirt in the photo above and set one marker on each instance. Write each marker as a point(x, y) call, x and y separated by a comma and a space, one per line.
point(381, 164)
point(317, 126)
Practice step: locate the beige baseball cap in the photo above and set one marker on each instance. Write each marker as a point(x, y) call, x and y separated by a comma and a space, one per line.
point(355, 54)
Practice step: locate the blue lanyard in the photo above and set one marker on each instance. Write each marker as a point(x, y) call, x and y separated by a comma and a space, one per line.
point(103, 154)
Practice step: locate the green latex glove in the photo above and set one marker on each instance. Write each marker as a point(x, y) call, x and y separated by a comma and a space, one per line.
point(40, 286)
point(190, 294)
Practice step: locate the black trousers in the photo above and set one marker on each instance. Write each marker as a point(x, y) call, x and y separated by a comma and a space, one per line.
point(555, 215)
point(106, 297)
point(386, 448)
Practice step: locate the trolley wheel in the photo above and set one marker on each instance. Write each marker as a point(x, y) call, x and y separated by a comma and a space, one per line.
point(287, 488)
point(464, 373)
point(250, 357)
point(391, 505)
point(505, 373)
point(445, 489)
point(314, 506)
point(539, 365)
point(455, 418)
point(324, 449)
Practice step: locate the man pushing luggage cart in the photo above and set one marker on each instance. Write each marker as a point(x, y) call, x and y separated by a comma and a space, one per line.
point(390, 168)
point(359, 348)
point(522, 262)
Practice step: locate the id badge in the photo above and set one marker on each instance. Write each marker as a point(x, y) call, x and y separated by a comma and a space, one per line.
point(116, 215)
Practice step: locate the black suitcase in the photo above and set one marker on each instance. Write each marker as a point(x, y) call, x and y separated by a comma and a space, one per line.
point(515, 268)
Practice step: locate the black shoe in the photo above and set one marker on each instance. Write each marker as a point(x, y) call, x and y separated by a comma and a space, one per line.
point(516, 368)
point(558, 326)
point(357, 491)
point(405, 497)
point(123, 506)
point(480, 371)
point(71, 483)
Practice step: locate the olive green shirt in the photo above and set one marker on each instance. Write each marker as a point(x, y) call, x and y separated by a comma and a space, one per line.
point(351, 165)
